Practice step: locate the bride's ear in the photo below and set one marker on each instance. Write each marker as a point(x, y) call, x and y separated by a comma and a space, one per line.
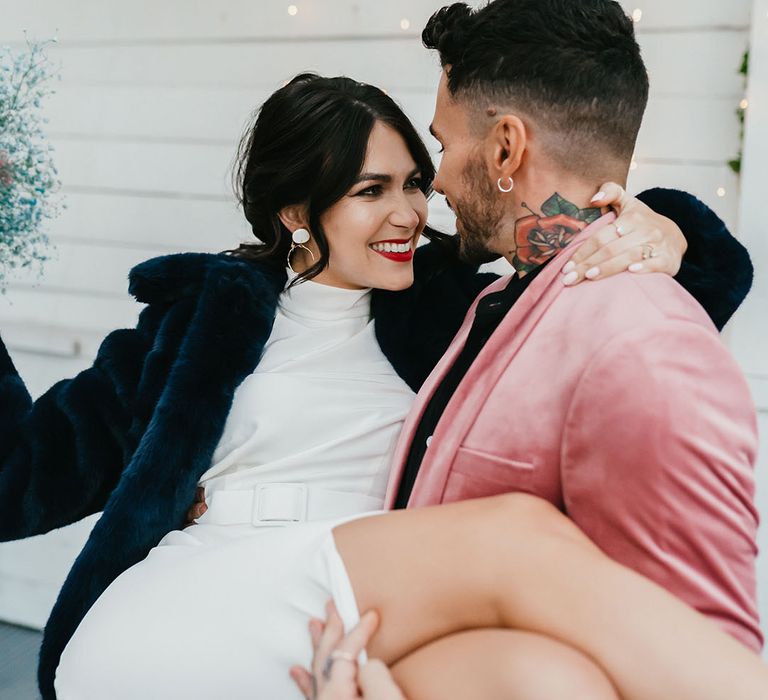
point(294, 217)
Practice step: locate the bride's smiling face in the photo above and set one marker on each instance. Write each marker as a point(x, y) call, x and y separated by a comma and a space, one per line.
point(372, 231)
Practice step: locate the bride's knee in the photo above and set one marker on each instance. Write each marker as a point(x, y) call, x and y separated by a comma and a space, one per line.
point(561, 673)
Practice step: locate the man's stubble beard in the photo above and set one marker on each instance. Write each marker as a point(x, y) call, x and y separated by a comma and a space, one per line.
point(480, 214)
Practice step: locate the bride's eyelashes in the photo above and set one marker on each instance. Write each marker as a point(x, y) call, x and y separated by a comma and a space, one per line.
point(414, 183)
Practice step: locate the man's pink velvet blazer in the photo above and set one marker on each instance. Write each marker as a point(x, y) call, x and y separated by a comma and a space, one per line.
point(617, 402)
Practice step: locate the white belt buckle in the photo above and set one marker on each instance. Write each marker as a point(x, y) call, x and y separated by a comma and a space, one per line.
point(276, 503)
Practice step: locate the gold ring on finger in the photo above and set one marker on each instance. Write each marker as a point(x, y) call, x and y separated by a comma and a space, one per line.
point(335, 656)
point(649, 251)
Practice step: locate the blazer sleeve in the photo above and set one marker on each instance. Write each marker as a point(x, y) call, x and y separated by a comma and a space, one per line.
point(657, 465)
point(61, 455)
point(716, 268)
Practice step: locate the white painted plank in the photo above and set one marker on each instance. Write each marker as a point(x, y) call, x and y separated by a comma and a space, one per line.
point(48, 353)
point(153, 223)
point(33, 570)
point(703, 63)
point(65, 309)
point(700, 63)
point(688, 14)
point(88, 269)
point(91, 20)
point(391, 63)
point(201, 169)
point(702, 181)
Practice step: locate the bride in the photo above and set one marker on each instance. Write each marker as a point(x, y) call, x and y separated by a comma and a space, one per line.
point(249, 379)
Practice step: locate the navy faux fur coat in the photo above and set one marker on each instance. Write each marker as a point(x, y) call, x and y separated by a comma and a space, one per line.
point(132, 434)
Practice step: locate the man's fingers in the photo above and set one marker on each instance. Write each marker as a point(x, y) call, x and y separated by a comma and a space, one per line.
point(329, 639)
point(200, 494)
point(197, 510)
point(303, 679)
point(358, 637)
point(376, 681)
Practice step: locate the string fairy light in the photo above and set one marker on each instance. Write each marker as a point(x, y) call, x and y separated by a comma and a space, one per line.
point(744, 103)
point(637, 14)
point(405, 24)
point(721, 192)
point(293, 10)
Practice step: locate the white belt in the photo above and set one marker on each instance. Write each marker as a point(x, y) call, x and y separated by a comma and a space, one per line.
point(283, 503)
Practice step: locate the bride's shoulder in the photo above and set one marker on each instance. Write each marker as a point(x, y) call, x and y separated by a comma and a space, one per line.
point(169, 277)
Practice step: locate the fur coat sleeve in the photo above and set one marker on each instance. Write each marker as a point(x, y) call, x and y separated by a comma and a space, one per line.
point(416, 326)
point(62, 455)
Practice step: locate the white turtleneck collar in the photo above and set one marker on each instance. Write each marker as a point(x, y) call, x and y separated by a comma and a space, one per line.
point(312, 301)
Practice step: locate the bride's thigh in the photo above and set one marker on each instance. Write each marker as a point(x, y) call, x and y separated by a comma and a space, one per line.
point(496, 664)
point(490, 562)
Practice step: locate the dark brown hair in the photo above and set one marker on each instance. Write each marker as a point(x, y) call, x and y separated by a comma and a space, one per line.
point(307, 145)
point(574, 65)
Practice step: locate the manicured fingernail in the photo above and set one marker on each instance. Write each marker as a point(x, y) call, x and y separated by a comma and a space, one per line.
point(592, 273)
point(599, 195)
point(570, 266)
point(635, 267)
point(570, 278)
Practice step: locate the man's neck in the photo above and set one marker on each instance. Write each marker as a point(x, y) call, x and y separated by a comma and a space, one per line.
point(543, 229)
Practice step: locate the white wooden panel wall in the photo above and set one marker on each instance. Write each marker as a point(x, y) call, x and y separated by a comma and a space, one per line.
point(749, 337)
point(148, 114)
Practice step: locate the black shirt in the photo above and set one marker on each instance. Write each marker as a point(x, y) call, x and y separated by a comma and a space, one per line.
point(488, 315)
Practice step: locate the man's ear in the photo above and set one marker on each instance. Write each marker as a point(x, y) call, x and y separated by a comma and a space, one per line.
point(294, 217)
point(509, 139)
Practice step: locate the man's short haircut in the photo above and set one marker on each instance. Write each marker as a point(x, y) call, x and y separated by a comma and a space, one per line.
point(573, 66)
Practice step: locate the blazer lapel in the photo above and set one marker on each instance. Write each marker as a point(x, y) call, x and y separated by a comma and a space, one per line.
point(467, 402)
point(425, 395)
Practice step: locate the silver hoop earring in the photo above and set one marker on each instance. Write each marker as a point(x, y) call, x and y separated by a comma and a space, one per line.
point(511, 185)
point(300, 237)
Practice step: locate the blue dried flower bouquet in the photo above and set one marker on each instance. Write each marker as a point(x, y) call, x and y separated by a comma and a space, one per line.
point(29, 181)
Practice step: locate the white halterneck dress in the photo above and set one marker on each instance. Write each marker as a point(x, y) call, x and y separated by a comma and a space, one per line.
point(220, 609)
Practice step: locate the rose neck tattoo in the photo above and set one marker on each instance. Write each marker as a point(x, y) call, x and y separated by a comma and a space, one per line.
point(540, 237)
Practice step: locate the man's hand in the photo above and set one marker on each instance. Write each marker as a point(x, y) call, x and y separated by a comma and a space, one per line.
point(640, 240)
point(335, 674)
point(198, 507)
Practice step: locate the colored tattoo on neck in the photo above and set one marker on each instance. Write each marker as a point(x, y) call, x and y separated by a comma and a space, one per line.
point(540, 237)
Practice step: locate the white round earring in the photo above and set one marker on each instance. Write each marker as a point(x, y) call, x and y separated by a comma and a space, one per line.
point(511, 185)
point(299, 237)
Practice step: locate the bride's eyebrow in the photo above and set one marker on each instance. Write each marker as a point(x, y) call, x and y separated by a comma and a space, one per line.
point(380, 177)
point(363, 177)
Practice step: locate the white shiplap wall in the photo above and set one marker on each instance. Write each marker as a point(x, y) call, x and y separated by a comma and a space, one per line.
point(150, 108)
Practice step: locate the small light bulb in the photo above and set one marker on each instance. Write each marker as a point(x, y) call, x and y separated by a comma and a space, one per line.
point(405, 24)
point(721, 191)
point(744, 103)
point(293, 10)
point(633, 165)
point(637, 15)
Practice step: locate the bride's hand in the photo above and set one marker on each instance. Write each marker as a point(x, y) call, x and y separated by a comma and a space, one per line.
point(640, 240)
point(335, 675)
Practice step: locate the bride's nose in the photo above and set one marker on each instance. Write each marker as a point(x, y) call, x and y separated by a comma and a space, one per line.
point(404, 215)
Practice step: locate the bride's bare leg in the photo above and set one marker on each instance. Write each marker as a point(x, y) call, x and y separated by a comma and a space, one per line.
point(514, 561)
point(497, 664)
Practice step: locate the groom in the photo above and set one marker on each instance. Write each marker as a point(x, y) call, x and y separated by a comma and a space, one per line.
point(616, 402)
